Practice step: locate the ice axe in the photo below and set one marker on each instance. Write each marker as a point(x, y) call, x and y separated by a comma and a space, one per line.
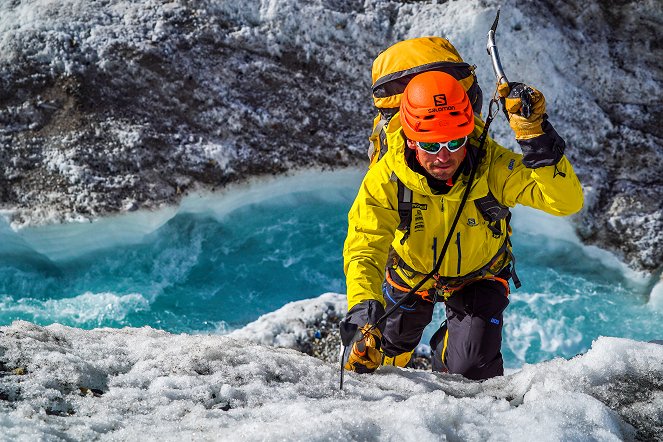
point(503, 88)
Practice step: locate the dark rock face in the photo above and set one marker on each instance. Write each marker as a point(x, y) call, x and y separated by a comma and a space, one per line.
point(633, 198)
point(134, 116)
point(619, 45)
point(109, 108)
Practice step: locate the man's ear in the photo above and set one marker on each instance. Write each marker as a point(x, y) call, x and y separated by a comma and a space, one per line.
point(411, 144)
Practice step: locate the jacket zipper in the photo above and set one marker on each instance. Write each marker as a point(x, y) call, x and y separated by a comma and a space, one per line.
point(434, 251)
point(459, 254)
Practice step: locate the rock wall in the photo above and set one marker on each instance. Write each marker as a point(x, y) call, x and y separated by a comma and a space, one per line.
point(116, 105)
point(619, 48)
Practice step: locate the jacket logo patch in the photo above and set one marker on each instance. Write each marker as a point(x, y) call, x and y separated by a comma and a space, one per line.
point(511, 164)
point(420, 206)
point(418, 221)
point(471, 222)
point(440, 100)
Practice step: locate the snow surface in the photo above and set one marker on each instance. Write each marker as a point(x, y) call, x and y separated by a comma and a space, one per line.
point(61, 383)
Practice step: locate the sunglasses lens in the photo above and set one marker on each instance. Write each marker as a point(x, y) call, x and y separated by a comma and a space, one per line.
point(454, 145)
point(429, 147)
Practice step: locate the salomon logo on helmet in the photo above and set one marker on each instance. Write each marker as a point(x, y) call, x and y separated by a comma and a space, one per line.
point(441, 109)
point(440, 100)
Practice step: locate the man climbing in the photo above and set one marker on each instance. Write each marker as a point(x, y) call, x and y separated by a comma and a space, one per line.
point(404, 214)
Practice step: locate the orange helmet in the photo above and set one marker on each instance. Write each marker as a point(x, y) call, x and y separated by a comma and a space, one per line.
point(435, 107)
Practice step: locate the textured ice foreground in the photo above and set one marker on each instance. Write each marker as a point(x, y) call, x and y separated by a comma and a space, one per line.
point(61, 383)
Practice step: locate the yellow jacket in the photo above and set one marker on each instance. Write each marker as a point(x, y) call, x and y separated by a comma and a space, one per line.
point(373, 218)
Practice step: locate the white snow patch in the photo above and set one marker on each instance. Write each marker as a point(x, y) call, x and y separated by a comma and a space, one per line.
point(60, 242)
point(116, 384)
point(286, 326)
point(256, 190)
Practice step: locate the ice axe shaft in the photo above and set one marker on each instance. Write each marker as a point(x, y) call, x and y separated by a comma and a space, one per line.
point(348, 331)
point(503, 88)
point(491, 47)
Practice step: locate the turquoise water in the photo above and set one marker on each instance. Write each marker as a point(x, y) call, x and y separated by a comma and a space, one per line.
point(210, 272)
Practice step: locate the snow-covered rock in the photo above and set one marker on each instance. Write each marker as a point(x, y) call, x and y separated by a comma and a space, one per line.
point(65, 383)
point(120, 105)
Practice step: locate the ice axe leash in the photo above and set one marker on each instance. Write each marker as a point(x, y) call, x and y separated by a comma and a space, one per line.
point(349, 332)
point(502, 88)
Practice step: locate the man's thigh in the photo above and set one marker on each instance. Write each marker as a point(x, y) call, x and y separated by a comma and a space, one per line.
point(403, 329)
point(474, 324)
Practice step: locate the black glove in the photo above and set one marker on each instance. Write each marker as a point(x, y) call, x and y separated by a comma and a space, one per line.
point(362, 354)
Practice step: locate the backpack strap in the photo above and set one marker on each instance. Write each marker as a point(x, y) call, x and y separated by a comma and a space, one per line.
point(514, 275)
point(378, 138)
point(490, 208)
point(492, 211)
point(404, 208)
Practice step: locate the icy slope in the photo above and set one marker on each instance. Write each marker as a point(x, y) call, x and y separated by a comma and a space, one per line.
point(105, 384)
point(110, 106)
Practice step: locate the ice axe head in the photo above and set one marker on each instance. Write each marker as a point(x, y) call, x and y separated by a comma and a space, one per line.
point(519, 99)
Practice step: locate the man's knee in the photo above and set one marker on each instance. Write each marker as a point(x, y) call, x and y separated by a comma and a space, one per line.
point(475, 354)
point(403, 329)
point(474, 337)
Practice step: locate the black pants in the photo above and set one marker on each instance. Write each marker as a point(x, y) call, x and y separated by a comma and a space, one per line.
point(474, 328)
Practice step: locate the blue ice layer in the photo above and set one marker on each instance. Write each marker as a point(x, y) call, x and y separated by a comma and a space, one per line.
point(209, 272)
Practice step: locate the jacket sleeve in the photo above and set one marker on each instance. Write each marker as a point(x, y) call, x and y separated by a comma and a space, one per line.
point(555, 189)
point(372, 222)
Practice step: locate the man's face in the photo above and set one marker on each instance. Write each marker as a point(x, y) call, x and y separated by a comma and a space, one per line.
point(441, 165)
